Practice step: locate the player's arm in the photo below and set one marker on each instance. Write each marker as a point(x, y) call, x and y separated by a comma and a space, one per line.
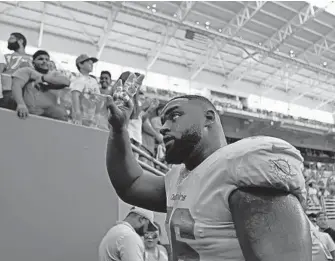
point(270, 225)
point(132, 184)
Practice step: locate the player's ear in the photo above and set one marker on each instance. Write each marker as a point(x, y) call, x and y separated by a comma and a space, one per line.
point(210, 117)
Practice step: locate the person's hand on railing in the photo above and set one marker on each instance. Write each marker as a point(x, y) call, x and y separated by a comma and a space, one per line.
point(77, 118)
point(119, 115)
point(22, 111)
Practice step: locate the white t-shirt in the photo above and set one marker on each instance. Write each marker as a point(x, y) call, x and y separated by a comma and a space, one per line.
point(312, 191)
point(85, 84)
point(121, 243)
point(159, 254)
point(135, 128)
point(322, 245)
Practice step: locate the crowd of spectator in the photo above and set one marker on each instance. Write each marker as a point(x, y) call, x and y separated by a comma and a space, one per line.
point(34, 85)
point(229, 101)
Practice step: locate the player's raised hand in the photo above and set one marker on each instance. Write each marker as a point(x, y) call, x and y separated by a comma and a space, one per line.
point(119, 114)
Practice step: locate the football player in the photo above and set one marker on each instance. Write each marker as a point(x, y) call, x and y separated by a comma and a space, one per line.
point(223, 202)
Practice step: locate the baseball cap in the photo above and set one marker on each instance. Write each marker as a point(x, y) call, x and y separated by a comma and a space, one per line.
point(146, 214)
point(84, 57)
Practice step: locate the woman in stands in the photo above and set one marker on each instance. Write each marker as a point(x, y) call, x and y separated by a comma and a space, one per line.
point(154, 251)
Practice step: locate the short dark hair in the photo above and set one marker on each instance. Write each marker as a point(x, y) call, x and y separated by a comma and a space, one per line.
point(199, 98)
point(20, 36)
point(321, 213)
point(40, 52)
point(106, 72)
point(311, 215)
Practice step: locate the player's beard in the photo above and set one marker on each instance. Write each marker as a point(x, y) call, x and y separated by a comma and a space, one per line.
point(183, 147)
point(13, 46)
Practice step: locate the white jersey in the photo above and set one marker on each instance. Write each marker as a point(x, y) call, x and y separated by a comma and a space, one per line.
point(199, 222)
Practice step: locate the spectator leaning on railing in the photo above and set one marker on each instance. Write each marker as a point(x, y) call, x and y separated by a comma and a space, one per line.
point(83, 89)
point(31, 87)
point(18, 59)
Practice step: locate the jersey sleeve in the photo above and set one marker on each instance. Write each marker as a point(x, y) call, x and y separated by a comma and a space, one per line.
point(268, 162)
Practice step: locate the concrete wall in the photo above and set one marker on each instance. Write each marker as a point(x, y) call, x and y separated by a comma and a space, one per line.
point(56, 200)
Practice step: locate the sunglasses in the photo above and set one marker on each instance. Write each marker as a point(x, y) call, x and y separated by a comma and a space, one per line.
point(150, 236)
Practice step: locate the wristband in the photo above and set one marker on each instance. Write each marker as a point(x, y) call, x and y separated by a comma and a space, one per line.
point(42, 78)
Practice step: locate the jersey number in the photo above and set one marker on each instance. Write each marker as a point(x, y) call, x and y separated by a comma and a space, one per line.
point(182, 226)
point(16, 61)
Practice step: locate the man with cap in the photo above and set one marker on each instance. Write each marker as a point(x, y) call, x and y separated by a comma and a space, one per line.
point(123, 241)
point(82, 88)
point(31, 89)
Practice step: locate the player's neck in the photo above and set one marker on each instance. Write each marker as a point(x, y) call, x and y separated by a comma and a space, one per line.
point(199, 155)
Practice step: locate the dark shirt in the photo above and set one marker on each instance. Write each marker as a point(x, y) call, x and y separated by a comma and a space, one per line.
point(331, 232)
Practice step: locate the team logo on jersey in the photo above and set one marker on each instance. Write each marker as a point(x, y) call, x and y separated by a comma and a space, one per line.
point(282, 168)
point(178, 196)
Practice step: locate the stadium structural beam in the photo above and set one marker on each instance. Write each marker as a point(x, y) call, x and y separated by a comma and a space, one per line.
point(137, 10)
point(7, 9)
point(316, 84)
point(106, 31)
point(40, 35)
point(299, 97)
point(290, 28)
point(319, 47)
point(294, 25)
point(80, 26)
point(183, 10)
point(320, 105)
point(231, 29)
point(287, 72)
